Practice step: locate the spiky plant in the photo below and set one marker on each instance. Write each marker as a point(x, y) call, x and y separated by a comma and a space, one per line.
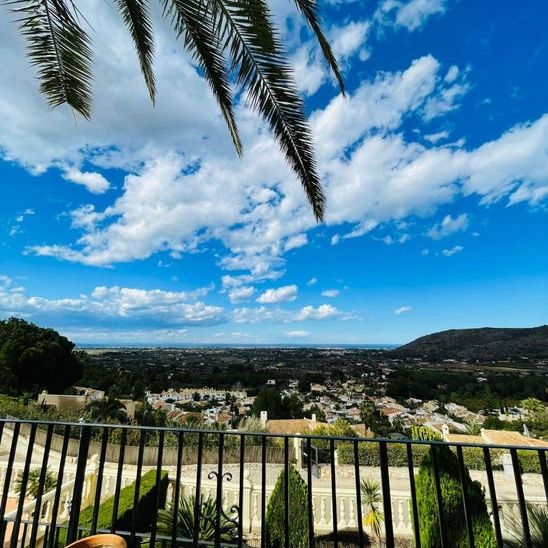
point(34, 486)
point(232, 42)
point(473, 428)
point(371, 500)
point(184, 522)
point(538, 527)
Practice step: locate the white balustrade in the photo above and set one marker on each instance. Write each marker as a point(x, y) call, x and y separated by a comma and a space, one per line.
point(250, 513)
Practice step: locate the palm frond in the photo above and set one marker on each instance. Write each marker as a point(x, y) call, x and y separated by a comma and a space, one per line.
point(136, 16)
point(256, 54)
point(195, 24)
point(59, 49)
point(309, 9)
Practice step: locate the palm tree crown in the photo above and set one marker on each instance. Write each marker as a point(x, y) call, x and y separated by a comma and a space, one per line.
point(228, 39)
point(107, 409)
point(371, 499)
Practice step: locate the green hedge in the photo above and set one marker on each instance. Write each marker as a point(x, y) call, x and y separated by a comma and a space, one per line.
point(298, 513)
point(368, 454)
point(146, 507)
point(529, 461)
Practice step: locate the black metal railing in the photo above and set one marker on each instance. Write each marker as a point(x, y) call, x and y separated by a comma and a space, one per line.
point(63, 481)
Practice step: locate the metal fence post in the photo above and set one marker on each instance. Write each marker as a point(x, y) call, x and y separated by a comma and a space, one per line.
point(76, 502)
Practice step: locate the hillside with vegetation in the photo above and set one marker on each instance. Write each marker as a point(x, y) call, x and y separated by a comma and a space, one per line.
point(486, 343)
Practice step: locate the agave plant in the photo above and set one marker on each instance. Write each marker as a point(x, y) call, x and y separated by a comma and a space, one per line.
point(184, 522)
point(538, 526)
point(371, 499)
point(232, 42)
point(473, 428)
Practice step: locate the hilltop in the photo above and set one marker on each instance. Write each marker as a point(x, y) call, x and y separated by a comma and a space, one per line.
point(485, 343)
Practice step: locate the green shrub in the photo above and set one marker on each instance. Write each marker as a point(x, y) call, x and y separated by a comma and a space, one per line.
point(340, 428)
point(529, 461)
point(298, 513)
point(425, 433)
point(452, 504)
point(368, 454)
point(473, 458)
point(148, 491)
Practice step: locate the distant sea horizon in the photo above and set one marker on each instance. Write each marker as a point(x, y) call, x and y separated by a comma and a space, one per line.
point(166, 346)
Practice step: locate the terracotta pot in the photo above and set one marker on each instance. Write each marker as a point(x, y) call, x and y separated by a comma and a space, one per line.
point(99, 541)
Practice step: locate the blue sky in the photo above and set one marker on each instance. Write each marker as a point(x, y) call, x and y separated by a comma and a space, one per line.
point(142, 226)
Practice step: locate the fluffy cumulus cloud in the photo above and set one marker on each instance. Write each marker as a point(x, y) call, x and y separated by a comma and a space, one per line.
point(411, 14)
point(94, 182)
point(124, 305)
point(402, 310)
point(278, 295)
point(184, 188)
point(280, 315)
point(322, 312)
point(240, 294)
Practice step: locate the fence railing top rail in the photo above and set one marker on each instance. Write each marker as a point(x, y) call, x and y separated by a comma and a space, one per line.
point(360, 440)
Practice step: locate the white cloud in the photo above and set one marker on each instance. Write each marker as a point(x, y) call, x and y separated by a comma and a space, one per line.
point(16, 227)
point(413, 14)
point(240, 294)
point(446, 100)
point(278, 295)
point(322, 312)
point(180, 159)
point(435, 137)
point(88, 335)
point(279, 315)
point(122, 304)
point(402, 310)
point(348, 39)
point(296, 241)
point(312, 281)
point(125, 128)
point(449, 225)
point(94, 182)
point(259, 314)
point(330, 293)
point(452, 250)
point(298, 333)
point(308, 64)
point(452, 73)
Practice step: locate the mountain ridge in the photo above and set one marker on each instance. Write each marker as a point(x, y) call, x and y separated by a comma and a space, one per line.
point(482, 343)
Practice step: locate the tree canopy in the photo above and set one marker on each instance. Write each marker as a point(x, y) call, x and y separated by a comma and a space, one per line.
point(271, 401)
point(33, 358)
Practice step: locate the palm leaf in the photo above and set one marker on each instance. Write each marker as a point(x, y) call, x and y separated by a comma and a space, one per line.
point(136, 16)
point(60, 50)
point(309, 8)
point(256, 54)
point(196, 25)
point(216, 32)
